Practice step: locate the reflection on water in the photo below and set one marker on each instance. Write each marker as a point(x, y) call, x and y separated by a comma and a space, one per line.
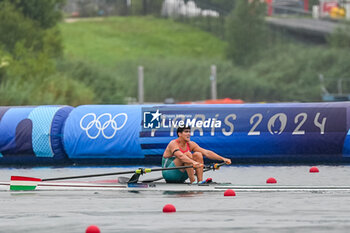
point(183, 193)
point(23, 193)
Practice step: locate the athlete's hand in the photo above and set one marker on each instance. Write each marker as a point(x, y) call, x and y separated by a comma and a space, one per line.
point(227, 161)
point(197, 165)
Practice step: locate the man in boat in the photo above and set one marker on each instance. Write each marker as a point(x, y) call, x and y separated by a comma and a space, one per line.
point(183, 152)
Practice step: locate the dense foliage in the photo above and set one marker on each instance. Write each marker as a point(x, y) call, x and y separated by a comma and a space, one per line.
point(246, 32)
point(96, 61)
point(30, 46)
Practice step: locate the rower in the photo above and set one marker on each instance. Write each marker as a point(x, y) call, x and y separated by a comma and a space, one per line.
point(183, 152)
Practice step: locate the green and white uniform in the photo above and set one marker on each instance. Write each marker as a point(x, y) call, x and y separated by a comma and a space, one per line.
point(173, 176)
point(176, 175)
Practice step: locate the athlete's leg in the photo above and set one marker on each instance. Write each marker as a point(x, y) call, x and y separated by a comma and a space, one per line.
point(198, 157)
point(190, 171)
point(173, 176)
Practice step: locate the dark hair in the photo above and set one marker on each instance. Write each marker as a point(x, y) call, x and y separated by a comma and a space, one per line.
point(181, 129)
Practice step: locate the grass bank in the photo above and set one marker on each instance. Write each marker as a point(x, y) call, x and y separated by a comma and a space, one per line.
point(104, 54)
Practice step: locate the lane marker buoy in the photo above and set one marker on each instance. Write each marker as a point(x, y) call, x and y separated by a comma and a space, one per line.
point(314, 169)
point(229, 193)
point(169, 208)
point(271, 180)
point(92, 229)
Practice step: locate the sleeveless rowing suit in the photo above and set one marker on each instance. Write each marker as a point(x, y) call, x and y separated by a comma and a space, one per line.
point(174, 176)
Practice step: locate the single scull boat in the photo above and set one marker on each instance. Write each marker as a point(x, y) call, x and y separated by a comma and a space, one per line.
point(21, 183)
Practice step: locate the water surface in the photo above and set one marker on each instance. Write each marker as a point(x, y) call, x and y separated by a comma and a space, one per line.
point(122, 211)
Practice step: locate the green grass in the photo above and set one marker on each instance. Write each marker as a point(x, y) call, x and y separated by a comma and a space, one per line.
point(108, 41)
point(103, 55)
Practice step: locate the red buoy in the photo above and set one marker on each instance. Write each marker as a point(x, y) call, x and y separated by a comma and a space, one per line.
point(229, 193)
point(169, 208)
point(92, 229)
point(314, 169)
point(271, 180)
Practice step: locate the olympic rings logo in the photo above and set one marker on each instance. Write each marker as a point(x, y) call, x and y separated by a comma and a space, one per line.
point(102, 127)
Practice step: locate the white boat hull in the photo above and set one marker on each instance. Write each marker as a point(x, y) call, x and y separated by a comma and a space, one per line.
point(186, 187)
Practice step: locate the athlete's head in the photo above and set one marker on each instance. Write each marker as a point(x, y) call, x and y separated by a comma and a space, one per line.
point(184, 132)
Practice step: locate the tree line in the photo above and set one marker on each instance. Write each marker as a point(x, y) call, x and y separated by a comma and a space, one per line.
point(259, 66)
point(30, 47)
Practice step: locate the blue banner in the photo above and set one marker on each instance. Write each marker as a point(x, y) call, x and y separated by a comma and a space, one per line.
point(103, 131)
point(256, 130)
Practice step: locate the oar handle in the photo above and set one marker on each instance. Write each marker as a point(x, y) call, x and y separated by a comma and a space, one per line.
point(214, 166)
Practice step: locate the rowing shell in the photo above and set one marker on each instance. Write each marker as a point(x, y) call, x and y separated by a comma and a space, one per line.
point(185, 187)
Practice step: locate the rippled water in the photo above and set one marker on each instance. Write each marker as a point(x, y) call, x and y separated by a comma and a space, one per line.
point(121, 211)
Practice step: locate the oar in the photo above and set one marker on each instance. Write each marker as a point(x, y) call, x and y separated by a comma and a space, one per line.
point(30, 183)
point(214, 166)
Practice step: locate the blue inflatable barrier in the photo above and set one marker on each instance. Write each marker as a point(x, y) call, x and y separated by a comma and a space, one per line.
point(139, 134)
point(286, 132)
point(32, 135)
point(15, 131)
point(57, 125)
point(101, 132)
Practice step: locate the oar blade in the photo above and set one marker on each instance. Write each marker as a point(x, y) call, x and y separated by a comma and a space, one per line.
point(22, 183)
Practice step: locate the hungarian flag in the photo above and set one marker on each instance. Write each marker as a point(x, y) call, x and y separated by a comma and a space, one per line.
point(19, 183)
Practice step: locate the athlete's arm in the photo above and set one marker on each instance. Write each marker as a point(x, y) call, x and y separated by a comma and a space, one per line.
point(208, 153)
point(175, 150)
